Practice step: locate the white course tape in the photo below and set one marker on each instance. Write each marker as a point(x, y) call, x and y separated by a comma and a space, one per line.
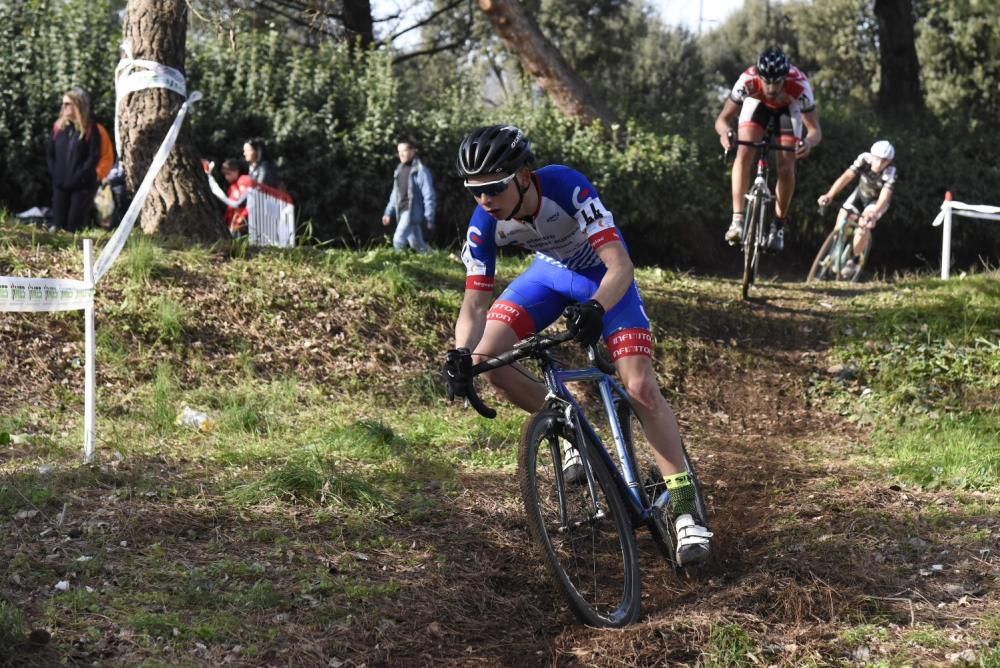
point(133, 75)
point(166, 77)
point(44, 294)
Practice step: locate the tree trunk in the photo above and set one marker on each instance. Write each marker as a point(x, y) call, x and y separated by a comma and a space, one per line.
point(900, 86)
point(358, 20)
point(543, 61)
point(180, 202)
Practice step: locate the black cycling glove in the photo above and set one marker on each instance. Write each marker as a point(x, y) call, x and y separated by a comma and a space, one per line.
point(457, 372)
point(585, 321)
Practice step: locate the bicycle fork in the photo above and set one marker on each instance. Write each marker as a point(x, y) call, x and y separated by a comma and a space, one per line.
point(596, 512)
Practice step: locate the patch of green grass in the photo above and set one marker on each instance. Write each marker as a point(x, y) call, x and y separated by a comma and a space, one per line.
point(170, 317)
point(928, 637)
point(312, 475)
point(25, 491)
point(956, 451)
point(729, 646)
point(862, 634)
point(928, 357)
point(13, 627)
point(990, 658)
point(244, 412)
point(163, 399)
point(992, 625)
point(157, 624)
point(142, 261)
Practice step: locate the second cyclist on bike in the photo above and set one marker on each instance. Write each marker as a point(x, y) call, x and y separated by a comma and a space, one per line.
point(869, 200)
point(772, 91)
point(581, 266)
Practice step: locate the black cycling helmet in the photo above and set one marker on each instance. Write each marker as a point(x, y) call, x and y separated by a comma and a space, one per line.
point(772, 63)
point(492, 150)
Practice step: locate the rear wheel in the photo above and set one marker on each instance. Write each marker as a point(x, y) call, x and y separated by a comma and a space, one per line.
point(652, 486)
point(586, 537)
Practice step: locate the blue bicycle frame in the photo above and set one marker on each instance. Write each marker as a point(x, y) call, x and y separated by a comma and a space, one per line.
point(625, 476)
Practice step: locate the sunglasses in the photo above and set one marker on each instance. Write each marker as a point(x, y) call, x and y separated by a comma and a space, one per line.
point(491, 189)
point(773, 82)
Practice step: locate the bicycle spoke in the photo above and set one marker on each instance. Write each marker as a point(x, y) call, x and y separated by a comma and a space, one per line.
point(587, 539)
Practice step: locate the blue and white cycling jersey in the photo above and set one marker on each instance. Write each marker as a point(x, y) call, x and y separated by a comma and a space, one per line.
point(570, 224)
point(565, 232)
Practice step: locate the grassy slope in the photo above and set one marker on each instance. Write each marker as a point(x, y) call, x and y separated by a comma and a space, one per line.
point(330, 449)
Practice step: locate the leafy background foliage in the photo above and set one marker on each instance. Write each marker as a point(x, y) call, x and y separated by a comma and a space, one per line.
point(332, 112)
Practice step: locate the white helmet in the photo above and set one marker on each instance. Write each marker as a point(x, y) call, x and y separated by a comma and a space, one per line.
point(883, 149)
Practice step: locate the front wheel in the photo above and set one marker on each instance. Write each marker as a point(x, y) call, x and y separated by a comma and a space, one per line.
point(822, 266)
point(751, 245)
point(584, 531)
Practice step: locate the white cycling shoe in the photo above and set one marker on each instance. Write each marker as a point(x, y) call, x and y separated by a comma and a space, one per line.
point(734, 233)
point(693, 543)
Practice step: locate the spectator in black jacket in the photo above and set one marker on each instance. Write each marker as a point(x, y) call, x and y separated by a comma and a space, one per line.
point(73, 153)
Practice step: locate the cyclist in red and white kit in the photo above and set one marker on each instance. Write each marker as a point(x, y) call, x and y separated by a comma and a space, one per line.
point(869, 200)
point(773, 91)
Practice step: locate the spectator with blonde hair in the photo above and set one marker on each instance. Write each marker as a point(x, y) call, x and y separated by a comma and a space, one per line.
point(73, 153)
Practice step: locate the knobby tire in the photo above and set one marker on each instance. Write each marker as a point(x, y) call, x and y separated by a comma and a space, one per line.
point(818, 272)
point(593, 560)
point(751, 247)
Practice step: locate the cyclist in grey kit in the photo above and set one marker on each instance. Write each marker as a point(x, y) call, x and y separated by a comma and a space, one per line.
point(870, 199)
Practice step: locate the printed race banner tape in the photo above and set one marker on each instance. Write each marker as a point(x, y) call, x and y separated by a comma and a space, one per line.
point(44, 294)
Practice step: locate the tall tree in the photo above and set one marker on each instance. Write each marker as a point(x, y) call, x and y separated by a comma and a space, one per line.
point(900, 81)
point(544, 62)
point(180, 201)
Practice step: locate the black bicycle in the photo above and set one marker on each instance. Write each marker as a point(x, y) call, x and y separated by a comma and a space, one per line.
point(836, 251)
point(586, 527)
point(759, 198)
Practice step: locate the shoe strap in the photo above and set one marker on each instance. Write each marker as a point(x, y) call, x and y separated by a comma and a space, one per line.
point(689, 530)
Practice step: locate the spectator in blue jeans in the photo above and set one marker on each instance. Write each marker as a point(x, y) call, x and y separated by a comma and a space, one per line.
point(412, 200)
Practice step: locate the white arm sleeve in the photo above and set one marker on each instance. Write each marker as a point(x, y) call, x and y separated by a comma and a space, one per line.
point(222, 197)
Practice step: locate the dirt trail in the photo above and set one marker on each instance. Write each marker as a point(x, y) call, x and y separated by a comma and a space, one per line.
point(807, 544)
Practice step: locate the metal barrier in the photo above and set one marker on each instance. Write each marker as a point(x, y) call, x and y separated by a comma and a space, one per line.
point(272, 217)
point(944, 218)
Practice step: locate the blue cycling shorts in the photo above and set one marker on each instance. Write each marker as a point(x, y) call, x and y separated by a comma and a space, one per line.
point(536, 298)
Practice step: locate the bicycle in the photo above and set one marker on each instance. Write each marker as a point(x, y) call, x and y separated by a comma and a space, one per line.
point(759, 198)
point(836, 250)
point(586, 529)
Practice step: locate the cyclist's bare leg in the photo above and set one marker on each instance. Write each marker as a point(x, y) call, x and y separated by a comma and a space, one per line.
point(514, 382)
point(862, 237)
point(843, 216)
point(786, 183)
point(743, 165)
point(658, 420)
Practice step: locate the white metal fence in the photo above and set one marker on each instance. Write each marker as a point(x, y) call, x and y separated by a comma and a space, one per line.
point(949, 209)
point(272, 217)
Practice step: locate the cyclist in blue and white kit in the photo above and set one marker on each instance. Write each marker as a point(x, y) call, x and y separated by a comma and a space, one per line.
point(582, 267)
point(869, 200)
